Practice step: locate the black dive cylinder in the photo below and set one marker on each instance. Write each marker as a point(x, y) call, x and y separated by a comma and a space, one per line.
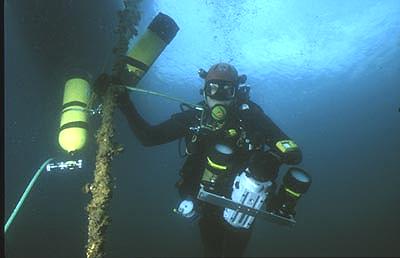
point(219, 162)
point(295, 183)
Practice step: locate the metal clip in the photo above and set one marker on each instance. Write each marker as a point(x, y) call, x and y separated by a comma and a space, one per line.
point(97, 110)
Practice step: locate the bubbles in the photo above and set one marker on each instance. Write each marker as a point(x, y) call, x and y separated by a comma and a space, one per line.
point(280, 39)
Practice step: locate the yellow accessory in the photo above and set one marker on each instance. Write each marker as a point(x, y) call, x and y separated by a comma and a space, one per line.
point(292, 193)
point(232, 132)
point(218, 112)
point(215, 165)
point(286, 146)
point(150, 45)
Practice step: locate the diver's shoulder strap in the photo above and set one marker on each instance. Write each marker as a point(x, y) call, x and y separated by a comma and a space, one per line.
point(248, 110)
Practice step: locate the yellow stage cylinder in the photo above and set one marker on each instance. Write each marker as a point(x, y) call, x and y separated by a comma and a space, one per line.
point(74, 118)
point(158, 35)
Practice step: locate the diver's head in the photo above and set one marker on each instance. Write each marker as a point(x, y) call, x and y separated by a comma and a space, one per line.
point(221, 85)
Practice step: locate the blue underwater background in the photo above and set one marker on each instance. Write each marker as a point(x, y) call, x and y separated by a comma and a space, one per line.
point(326, 72)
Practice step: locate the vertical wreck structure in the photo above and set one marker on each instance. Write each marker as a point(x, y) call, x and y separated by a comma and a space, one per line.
point(101, 189)
point(128, 68)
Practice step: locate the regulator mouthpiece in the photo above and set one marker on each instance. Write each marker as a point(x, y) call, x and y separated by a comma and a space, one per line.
point(219, 112)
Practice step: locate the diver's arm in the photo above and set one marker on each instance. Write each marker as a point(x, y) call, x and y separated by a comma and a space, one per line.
point(147, 134)
point(275, 138)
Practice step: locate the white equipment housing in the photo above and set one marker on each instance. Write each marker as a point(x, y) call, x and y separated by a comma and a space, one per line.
point(249, 192)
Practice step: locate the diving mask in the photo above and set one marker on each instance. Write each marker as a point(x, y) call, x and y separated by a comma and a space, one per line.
point(220, 90)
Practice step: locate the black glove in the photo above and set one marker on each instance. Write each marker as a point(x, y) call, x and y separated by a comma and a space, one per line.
point(186, 187)
point(104, 81)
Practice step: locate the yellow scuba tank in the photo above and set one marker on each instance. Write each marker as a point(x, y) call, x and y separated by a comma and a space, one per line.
point(158, 35)
point(74, 117)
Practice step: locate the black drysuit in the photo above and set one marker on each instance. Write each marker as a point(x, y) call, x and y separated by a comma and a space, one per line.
point(219, 238)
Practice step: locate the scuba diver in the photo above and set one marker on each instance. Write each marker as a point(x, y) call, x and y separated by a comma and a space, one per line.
point(234, 152)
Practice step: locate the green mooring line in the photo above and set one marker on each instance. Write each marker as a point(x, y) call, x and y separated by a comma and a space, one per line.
point(27, 190)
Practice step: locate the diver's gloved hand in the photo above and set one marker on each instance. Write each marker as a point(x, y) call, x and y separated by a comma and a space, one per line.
point(187, 185)
point(187, 208)
point(104, 81)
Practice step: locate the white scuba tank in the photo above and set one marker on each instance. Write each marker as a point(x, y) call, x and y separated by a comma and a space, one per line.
point(249, 192)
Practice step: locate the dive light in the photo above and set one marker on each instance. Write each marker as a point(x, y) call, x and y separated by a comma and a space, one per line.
point(295, 183)
point(219, 164)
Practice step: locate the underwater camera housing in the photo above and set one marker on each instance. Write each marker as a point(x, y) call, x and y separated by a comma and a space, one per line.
point(250, 192)
point(249, 195)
